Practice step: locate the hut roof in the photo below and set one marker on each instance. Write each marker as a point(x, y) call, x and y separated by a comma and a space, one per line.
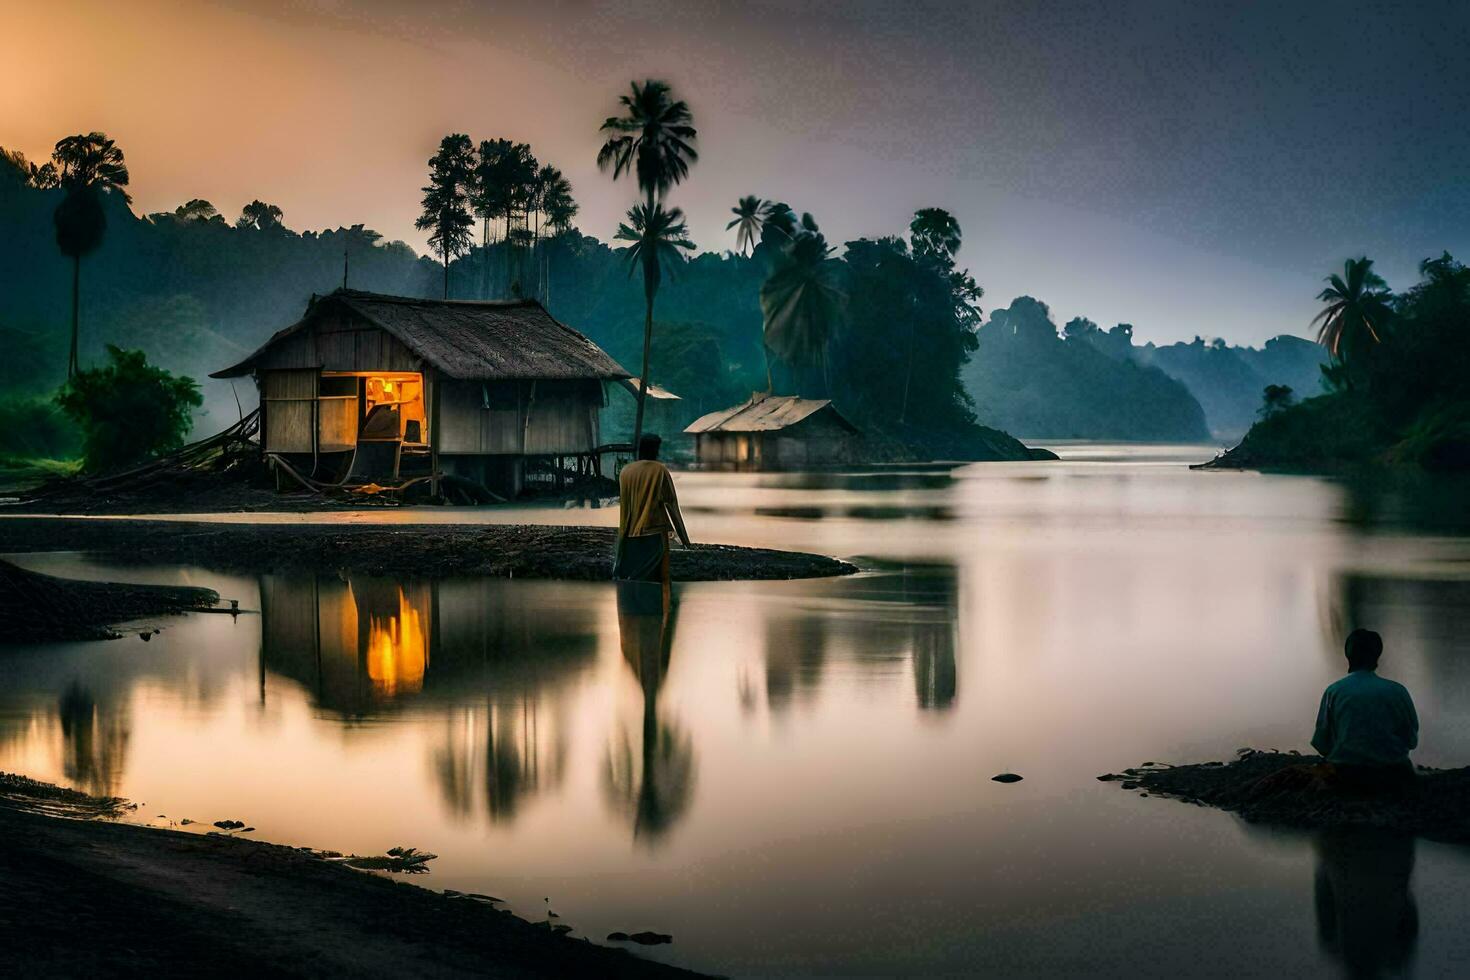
point(765, 413)
point(496, 340)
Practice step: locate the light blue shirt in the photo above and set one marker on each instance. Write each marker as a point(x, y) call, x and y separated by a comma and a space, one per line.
point(1366, 720)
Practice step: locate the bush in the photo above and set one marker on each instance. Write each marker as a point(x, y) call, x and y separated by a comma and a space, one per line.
point(128, 410)
point(36, 428)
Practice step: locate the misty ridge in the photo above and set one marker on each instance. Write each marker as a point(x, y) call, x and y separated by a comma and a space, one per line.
point(915, 362)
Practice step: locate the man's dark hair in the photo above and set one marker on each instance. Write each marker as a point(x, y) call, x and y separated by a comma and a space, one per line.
point(1363, 648)
point(648, 446)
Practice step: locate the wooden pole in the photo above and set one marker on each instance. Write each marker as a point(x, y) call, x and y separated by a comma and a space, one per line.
point(434, 433)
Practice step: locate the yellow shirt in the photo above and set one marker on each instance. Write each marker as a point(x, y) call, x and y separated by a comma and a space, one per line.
point(647, 503)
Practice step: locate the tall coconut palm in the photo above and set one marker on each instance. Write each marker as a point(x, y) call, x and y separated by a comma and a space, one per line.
point(749, 214)
point(935, 232)
point(446, 208)
point(803, 302)
point(659, 239)
point(653, 139)
point(1357, 310)
point(87, 167)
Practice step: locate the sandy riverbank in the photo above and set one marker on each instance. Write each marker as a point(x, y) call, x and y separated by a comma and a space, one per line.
point(90, 897)
point(423, 550)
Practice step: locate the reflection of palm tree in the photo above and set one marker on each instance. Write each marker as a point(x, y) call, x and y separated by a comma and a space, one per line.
point(1366, 914)
point(655, 787)
point(95, 741)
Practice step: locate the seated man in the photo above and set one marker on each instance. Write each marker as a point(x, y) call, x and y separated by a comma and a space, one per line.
point(648, 514)
point(1366, 724)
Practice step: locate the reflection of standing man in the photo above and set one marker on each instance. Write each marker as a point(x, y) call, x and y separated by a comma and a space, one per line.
point(648, 514)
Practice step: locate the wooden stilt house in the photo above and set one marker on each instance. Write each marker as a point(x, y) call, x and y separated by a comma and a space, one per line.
point(367, 387)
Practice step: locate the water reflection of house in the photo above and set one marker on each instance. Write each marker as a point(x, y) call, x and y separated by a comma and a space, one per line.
point(367, 386)
point(774, 432)
point(493, 657)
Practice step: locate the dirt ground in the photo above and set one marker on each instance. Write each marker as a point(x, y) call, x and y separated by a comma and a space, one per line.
point(97, 898)
point(426, 550)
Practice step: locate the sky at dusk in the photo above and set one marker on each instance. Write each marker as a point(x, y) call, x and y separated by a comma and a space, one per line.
point(1189, 168)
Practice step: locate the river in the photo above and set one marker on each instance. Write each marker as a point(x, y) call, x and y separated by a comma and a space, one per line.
point(794, 777)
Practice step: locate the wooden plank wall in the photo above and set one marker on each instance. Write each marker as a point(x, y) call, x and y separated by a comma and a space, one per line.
point(290, 398)
point(547, 418)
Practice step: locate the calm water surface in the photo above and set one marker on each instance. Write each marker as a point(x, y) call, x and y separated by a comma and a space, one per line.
point(794, 778)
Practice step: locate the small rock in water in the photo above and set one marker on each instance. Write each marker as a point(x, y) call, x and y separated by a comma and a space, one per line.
point(1006, 777)
point(561, 929)
point(1130, 784)
point(617, 937)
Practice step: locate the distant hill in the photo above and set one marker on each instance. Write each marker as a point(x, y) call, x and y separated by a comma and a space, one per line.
point(1026, 378)
point(1228, 381)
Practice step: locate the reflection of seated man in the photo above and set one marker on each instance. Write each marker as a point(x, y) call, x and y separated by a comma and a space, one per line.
point(648, 514)
point(1366, 724)
point(1366, 915)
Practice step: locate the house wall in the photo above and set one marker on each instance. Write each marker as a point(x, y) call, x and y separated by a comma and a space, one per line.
point(519, 417)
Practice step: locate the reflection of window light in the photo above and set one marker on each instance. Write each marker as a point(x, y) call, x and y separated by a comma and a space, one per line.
point(397, 650)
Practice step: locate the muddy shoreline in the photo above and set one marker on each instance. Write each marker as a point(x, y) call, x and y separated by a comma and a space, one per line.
point(421, 550)
point(89, 897)
point(1436, 805)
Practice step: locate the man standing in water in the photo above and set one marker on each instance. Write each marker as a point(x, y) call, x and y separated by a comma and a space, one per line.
point(1366, 724)
point(648, 514)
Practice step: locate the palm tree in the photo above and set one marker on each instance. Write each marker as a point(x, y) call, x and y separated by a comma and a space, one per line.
point(86, 166)
point(778, 224)
point(653, 139)
point(658, 236)
point(935, 232)
point(1357, 310)
point(802, 301)
point(446, 213)
point(749, 214)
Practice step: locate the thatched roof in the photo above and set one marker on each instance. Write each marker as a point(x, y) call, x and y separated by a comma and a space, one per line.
point(491, 340)
point(765, 413)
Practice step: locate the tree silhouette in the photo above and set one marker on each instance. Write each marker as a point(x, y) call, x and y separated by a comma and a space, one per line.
point(658, 236)
point(653, 139)
point(802, 301)
point(1357, 310)
point(260, 216)
point(446, 208)
point(749, 214)
point(560, 209)
point(197, 210)
point(935, 233)
point(778, 225)
point(86, 166)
